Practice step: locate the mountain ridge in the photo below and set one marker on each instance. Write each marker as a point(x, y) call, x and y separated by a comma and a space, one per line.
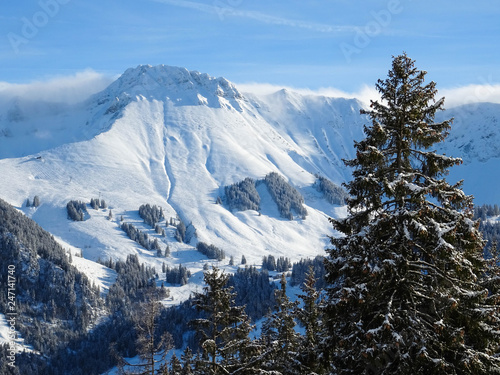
point(178, 84)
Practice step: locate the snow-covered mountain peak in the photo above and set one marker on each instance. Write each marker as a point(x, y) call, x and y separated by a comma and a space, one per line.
point(163, 82)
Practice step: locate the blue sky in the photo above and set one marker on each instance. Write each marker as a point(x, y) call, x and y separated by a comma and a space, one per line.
point(341, 44)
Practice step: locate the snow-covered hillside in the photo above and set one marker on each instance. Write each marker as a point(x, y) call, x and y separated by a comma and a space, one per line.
point(475, 137)
point(174, 138)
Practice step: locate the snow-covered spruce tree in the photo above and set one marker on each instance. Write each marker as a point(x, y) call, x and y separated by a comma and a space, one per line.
point(279, 337)
point(175, 366)
point(224, 329)
point(187, 362)
point(309, 315)
point(408, 283)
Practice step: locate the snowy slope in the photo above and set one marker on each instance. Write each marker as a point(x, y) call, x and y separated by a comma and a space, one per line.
point(7, 336)
point(475, 137)
point(174, 138)
point(167, 136)
point(322, 128)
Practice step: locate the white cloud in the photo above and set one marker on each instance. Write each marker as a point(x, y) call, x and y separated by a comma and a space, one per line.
point(471, 94)
point(68, 89)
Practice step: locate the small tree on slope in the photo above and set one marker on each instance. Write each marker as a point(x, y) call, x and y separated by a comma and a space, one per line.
point(280, 338)
point(152, 345)
point(409, 288)
point(224, 329)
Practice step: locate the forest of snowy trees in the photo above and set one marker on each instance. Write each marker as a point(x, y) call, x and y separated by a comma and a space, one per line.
point(243, 195)
point(141, 237)
point(489, 226)
point(332, 193)
point(96, 351)
point(151, 214)
point(287, 198)
point(76, 210)
point(211, 251)
point(54, 302)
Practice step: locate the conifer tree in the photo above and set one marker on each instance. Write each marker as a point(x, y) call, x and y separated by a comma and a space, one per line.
point(152, 345)
point(224, 330)
point(309, 315)
point(279, 335)
point(175, 365)
point(409, 288)
point(187, 362)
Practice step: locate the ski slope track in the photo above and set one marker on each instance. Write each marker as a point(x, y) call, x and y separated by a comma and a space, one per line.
point(175, 138)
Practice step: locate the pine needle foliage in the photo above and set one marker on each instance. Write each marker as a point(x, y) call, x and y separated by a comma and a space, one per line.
point(409, 289)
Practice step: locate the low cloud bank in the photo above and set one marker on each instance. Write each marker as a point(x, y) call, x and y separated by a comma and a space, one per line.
point(67, 89)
